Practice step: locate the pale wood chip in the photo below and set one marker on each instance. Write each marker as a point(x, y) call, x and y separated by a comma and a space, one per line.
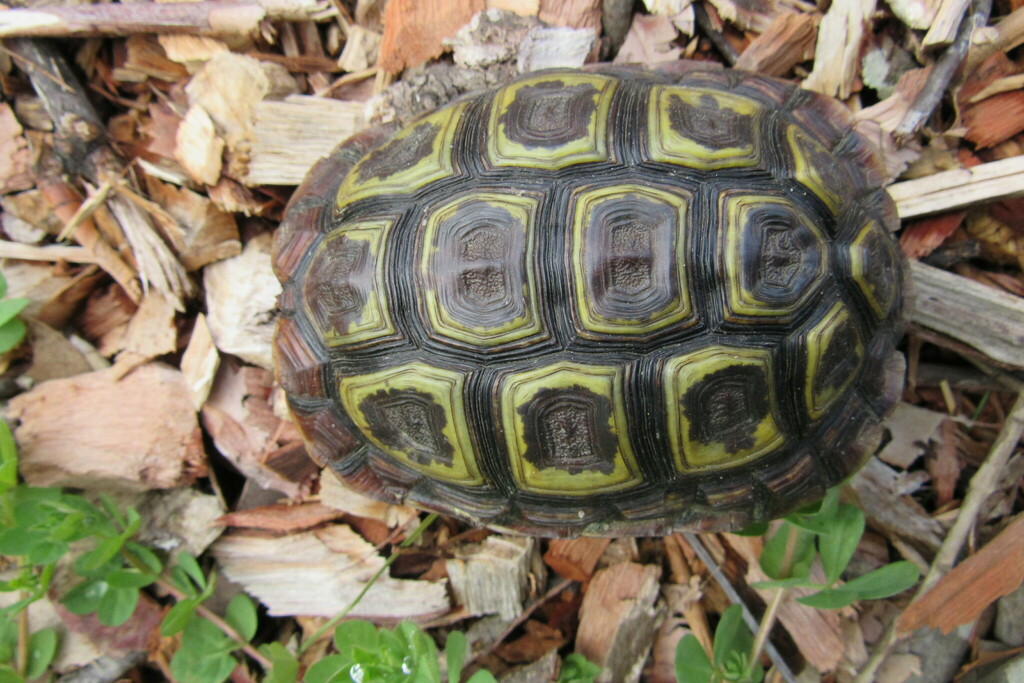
point(414, 30)
point(617, 620)
point(282, 518)
point(550, 47)
point(241, 297)
point(649, 41)
point(207, 233)
point(911, 428)
point(959, 188)
point(917, 14)
point(200, 362)
point(92, 431)
point(748, 15)
point(197, 146)
point(362, 47)
point(151, 331)
point(104, 320)
point(946, 23)
point(145, 58)
point(290, 136)
point(583, 14)
point(15, 157)
point(492, 577)
point(319, 573)
point(522, 7)
point(575, 558)
point(53, 356)
point(335, 493)
point(837, 53)
point(191, 50)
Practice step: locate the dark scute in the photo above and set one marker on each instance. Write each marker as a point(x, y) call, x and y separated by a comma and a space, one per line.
point(726, 406)
point(409, 421)
point(399, 154)
point(880, 266)
point(339, 283)
point(549, 114)
point(781, 255)
point(708, 124)
point(567, 429)
point(840, 359)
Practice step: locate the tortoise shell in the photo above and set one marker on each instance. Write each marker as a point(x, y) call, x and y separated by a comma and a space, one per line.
point(596, 303)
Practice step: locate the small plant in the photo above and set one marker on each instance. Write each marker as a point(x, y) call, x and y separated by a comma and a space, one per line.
point(827, 533)
point(12, 328)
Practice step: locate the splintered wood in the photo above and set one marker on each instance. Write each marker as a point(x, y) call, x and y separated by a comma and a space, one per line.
point(136, 433)
point(320, 573)
point(492, 577)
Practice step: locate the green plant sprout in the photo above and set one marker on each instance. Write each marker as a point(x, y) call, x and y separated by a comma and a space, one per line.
point(827, 533)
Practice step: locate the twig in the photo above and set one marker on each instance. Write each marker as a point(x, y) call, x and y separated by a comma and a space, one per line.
point(984, 481)
point(238, 18)
point(734, 597)
point(30, 252)
point(711, 32)
point(945, 67)
point(559, 586)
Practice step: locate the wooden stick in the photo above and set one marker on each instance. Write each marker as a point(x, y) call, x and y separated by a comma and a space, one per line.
point(711, 32)
point(215, 18)
point(959, 188)
point(30, 252)
point(945, 68)
point(944, 28)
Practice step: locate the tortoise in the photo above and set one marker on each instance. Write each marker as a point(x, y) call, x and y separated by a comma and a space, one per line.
point(609, 302)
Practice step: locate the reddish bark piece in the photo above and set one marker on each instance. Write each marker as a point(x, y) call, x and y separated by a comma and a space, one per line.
point(961, 595)
point(414, 29)
point(922, 237)
point(15, 158)
point(788, 41)
point(94, 431)
point(575, 558)
point(284, 518)
point(996, 118)
point(571, 13)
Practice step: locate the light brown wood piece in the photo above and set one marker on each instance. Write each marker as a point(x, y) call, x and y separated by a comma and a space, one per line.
point(200, 362)
point(947, 21)
point(959, 188)
point(837, 52)
point(54, 252)
point(917, 14)
point(414, 30)
point(492, 577)
point(571, 13)
point(197, 146)
point(282, 517)
point(787, 41)
point(15, 157)
point(206, 233)
point(53, 356)
point(319, 573)
point(92, 431)
point(1007, 34)
point(241, 296)
point(876, 490)
point(980, 316)
point(618, 618)
point(575, 558)
point(334, 493)
point(151, 331)
point(291, 135)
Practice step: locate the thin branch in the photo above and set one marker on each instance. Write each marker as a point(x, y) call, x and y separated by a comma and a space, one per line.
point(983, 483)
point(711, 32)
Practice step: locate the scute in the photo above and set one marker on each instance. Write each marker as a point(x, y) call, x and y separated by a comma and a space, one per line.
point(596, 303)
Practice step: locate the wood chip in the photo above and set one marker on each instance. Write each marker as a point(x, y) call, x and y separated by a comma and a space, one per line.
point(582, 14)
point(492, 577)
point(910, 429)
point(334, 493)
point(151, 331)
point(575, 558)
point(960, 596)
point(787, 41)
point(197, 146)
point(947, 21)
point(104, 320)
point(414, 30)
point(921, 237)
point(876, 490)
point(282, 518)
point(207, 233)
point(92, 431)
point(550, 47)
point(200, 362)
point(319, 573)
point(290, 136)
point(242, 424)
point(959, 188)
point(649, 41)
point(15, 157)
point(617, 620)
point(943, 464)
point(241, 297)
point(917, 14)
point(53, 356)
point(837, 53)
point(980, 316)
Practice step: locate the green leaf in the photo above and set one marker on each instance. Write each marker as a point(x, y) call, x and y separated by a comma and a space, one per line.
point(753, 529)
point(8, 675)
point(146, 556)
point(795, 582)
point(284, 666)
point(11, 334)
point(885, 581)
point(818, 517)
point(129, 578)
point(178, 617)
point(241, 615)
point(838, 545)
point(19, 541)
point(578, 669)
point(455, 655)
point(85, 597)
point(692, 663)
point(42, 646)
point(3, 285)
point(10, 308)
point(8, 458)
point(8, 639)
point(329, 669)
point(356, 633)
point(482, 676)
point(731, 636)
point(191, 566)
point(99, 556)
point(788, 553)
point(204, 655)
point(46, 552)
point(117, 605)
